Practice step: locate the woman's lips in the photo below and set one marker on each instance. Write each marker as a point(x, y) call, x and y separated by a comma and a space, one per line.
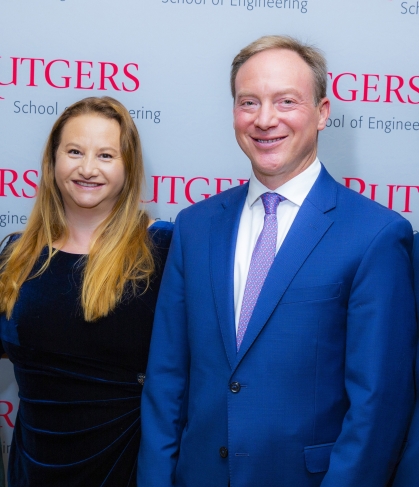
point(87, 184)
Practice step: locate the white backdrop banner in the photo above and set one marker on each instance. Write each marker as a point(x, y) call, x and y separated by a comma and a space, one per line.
point(168, 61)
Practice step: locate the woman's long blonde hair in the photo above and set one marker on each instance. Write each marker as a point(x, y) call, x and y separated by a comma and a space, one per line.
point(120, 252)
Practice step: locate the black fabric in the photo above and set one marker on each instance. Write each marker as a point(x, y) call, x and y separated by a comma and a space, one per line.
point(78, 422)
point(1, 469)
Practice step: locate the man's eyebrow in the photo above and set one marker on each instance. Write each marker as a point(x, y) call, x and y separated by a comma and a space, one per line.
point(282, 92)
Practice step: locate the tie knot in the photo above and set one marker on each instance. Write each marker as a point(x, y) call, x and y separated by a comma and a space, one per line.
point(271, 202)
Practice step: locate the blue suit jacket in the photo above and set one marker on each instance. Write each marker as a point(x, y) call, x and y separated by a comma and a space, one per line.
point(325, 371)
point(408, 471)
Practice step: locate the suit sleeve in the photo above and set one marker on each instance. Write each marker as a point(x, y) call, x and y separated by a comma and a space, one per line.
point(407, 474)
point(166, 385)
point(416, 270)
point(379, 365)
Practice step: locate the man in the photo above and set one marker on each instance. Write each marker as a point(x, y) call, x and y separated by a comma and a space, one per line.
point(282, 352)
point(407, 474)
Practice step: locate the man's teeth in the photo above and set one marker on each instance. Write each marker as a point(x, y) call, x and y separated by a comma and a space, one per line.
point(89, 185)
point(270, 141)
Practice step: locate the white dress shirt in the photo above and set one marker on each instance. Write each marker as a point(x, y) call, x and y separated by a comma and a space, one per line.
point(251, 222)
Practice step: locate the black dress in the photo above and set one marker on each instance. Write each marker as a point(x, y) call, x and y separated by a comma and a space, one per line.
point(80, 383)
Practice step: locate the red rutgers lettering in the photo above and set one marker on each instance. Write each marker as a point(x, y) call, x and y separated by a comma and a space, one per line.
point(60, 73)
point(10, 183)
point(390, 195)
point(80, 74)
point(336, 91)
point(109, 77)
point(180, 189)
point(403, 202)
point(188, 189)
point(30, 183)
point(373, 189)
point(155, 197)
point(361, 183)
point(368, 87)
point(131, 77)
point(414, 88)
point(48, 75)
point(218, 182)
point(6, 415)
point(177, 191)
point(14, 72)
point(173, 187)
point(394, 89)
point(407, 197)
point(32, 62)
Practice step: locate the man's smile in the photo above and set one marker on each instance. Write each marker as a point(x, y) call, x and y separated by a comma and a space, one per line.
point(269, 141)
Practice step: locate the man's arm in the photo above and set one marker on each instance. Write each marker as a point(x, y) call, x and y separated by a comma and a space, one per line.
point(166, 385)
point(380, 350)
point(407, 474)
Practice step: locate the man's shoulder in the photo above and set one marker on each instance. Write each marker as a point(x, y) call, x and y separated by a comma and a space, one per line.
point(354, 205)
point(359, 206)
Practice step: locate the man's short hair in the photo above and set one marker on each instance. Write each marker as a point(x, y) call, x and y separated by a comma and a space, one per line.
point(310, 54)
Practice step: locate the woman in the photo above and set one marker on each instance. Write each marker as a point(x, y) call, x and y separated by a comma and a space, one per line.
point(77, 294)
point(1, 469)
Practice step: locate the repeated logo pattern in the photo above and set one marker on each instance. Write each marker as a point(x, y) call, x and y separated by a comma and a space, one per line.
point(262, 258)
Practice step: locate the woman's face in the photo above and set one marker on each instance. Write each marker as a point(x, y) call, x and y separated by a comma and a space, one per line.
point(89, 170)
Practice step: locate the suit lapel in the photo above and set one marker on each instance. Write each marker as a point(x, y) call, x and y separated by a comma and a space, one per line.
point(223, 236)
point(310, 225)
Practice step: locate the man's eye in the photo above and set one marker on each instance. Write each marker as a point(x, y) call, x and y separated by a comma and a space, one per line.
point(248, 103)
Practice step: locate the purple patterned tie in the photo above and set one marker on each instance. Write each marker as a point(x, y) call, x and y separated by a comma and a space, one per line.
point(262, 258)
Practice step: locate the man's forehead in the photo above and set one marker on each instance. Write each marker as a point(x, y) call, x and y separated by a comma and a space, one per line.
point(280, 54)
point(282, 66)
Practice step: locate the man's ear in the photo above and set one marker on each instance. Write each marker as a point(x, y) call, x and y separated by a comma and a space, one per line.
point(324, 112)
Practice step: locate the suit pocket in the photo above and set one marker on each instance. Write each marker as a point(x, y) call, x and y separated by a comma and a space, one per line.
point(318, 457)
point(317, 293)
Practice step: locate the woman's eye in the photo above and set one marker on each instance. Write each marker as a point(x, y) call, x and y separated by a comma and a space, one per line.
point(106, 156)
point(74, 152)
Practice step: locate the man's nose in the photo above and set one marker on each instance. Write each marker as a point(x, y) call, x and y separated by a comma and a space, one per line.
point(267, 116)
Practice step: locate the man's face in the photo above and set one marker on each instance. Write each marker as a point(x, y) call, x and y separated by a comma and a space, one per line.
point(275, 119)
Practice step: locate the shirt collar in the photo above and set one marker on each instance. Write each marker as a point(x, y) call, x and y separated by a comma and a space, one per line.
point(294, 190)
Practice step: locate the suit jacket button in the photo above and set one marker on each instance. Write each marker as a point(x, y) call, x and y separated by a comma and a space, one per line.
point(141, 378)
point(235, 387)
point(223, 452)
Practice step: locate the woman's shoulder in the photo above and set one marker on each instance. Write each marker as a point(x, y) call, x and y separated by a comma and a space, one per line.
point(161, 233)
point(9, 239)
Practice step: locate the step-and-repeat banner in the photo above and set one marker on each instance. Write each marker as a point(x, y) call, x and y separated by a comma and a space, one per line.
point(168, 61)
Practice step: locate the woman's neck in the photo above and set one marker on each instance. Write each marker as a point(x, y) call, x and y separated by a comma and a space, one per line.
point(81, 228)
